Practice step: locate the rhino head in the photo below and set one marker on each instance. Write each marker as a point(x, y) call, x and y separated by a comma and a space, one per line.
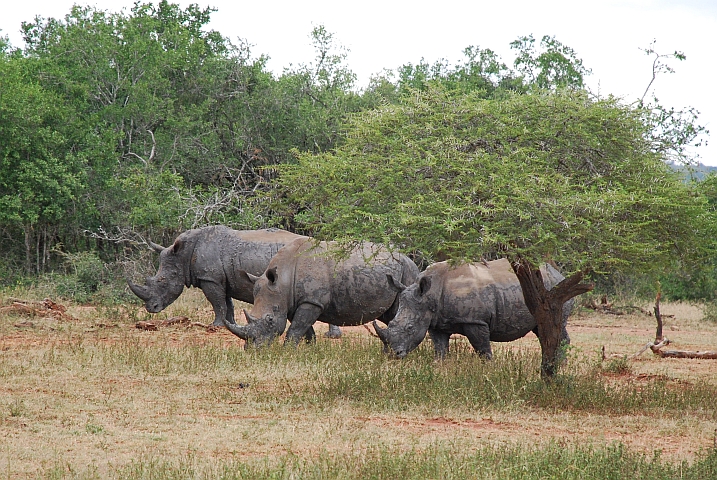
point(168, 283)
point(416, 307)
point(268, 317)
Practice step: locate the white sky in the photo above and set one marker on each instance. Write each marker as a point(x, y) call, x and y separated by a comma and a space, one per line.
point(607, 35)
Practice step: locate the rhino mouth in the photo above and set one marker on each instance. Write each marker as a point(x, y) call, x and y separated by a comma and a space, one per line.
point(258, 331)
point(151, 303)
point(394, 345)
point(384, 334)
point(154, 307)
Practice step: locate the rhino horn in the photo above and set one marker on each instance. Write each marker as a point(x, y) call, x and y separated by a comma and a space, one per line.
point(382, 333)
point(248, 276)
point(249, 318)
point(155, 246)
point(395, 284)
point(138, 290)
point(242, 331)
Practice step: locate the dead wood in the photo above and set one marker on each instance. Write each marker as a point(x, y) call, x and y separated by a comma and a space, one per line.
point(206, 326)
point(149, 326)
point(604, 306)
point(199, 324)
point(684, 354)
point(626, 357)
point(44, 308)
point(20, 308)
point(661, 341)
point(658, 317)
point(175, 321)
point(154, 326)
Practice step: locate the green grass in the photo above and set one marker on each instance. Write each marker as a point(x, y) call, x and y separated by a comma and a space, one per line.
point(357, 373)
point(509, 381)
point(440, 461)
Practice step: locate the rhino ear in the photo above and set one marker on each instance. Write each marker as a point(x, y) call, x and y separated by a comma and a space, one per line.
point(395, 284)
point(178, 245)
point(271, 275)
point(424, 285)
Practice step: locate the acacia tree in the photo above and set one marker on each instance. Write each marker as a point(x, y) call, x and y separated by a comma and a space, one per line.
point(550, 175)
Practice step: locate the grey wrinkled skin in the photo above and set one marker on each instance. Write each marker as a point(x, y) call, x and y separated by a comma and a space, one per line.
point(303, 284)
point(484, 302)
point(212, 258)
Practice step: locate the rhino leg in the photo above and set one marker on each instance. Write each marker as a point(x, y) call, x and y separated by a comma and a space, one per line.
point(334, 332)
point(230, 310)
point(304, 318)
point(310, 335)
point(564, 337)
point(440, 343)
point(218, 298)
point(479, 336)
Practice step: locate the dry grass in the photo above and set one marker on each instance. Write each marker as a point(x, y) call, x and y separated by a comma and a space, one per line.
point(95, 394)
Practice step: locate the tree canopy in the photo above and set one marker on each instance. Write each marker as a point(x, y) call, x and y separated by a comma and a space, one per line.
point(550, 175)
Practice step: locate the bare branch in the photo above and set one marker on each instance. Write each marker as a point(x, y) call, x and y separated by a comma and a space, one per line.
point(122, 236)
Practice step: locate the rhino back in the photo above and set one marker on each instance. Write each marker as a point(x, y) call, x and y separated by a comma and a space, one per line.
point(252, 250)
point(351, 291)
point(221, 253)
point(485, 293)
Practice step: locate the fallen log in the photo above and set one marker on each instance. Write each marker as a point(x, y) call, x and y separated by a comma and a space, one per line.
point(661, 341)
point(175, 321)
point(179, 320)
point(149, 326)
point(34, 308)
point(684, 354)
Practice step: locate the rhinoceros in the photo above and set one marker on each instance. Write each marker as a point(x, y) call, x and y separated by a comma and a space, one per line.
point(305, 282)
point(211, 258)
point(483, 301)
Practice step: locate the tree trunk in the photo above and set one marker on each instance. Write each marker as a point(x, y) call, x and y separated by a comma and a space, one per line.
point(28, 248)
point(547, 308)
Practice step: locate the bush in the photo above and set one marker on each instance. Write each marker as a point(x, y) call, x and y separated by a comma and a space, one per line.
point(710, 312)
point(88, 279)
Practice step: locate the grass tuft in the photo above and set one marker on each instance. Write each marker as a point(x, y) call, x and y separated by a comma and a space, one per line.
point(441, 460)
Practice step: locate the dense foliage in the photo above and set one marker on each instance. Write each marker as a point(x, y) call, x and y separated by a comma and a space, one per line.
point(116, 127)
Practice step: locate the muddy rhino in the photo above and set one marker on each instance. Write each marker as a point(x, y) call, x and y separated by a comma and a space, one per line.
point(303, 283)
point(483, 301)
point(212, 258)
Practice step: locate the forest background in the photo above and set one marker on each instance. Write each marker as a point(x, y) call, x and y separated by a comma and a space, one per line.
point(117, 128)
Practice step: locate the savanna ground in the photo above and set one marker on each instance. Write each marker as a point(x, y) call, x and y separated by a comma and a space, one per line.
point(91, 396)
